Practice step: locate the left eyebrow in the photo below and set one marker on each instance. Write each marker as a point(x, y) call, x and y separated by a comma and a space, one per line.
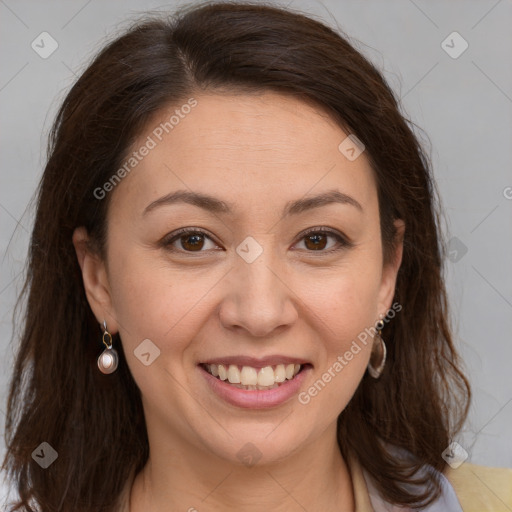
point(215, 205)
point(329, 197)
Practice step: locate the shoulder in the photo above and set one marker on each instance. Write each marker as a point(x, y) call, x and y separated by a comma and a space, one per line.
point(468, 488)
point(481, 488)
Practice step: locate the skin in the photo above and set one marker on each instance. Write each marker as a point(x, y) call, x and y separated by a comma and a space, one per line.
point(258, 151)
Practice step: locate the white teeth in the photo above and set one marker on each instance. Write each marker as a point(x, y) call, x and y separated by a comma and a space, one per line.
point(223, 374)
point(249, 376)
point(233, 374)
point(266, 376)
point(280, 373)
point(253, 378)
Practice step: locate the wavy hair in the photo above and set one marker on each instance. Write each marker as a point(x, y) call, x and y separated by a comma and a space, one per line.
point(56, 392)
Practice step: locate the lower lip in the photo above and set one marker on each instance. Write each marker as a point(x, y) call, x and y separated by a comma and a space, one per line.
point(256, 398)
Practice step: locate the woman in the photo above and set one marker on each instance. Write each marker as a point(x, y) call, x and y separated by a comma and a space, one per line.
point(235, 295)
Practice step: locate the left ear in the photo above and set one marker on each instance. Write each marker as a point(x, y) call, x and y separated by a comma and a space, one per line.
point(390, 271)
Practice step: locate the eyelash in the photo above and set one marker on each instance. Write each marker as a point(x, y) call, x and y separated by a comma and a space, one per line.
point(170, 239)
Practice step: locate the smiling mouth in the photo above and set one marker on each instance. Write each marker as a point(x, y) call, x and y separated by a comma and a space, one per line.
point(250, 378)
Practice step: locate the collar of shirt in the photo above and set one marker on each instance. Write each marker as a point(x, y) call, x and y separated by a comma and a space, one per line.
point(477, 488)
point(368, 499)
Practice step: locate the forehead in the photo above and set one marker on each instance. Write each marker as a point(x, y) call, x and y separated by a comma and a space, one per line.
point(252, 149)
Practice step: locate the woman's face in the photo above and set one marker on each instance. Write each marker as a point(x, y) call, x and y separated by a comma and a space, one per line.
point(251, 284)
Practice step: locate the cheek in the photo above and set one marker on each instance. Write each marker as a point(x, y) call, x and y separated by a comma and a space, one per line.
point(345, 306)
point(153, 301)
point(342, 356)
point(346, 298)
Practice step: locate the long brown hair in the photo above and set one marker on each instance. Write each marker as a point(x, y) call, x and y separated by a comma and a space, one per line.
point(96, 422)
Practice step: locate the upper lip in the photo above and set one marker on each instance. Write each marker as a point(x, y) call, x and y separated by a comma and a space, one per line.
point(256, 362)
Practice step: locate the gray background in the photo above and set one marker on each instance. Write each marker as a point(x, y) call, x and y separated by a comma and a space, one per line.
point(463, 104)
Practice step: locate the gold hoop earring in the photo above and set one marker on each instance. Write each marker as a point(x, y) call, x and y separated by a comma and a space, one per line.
point(375, 369)
point(108, 359)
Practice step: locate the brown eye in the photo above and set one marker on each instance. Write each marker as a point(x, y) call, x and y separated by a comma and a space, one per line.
point(317, 239)
point(192, 242)
point(187, 240)
point(316, 242)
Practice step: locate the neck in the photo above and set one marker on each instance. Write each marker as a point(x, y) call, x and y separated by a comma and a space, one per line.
point(183, 477)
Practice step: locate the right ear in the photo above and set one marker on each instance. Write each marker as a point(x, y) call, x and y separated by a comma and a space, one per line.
point(95, 278)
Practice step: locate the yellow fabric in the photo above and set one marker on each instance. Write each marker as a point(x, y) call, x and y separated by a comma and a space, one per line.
point(478, 488)
point(482, 488)
point(361, 496)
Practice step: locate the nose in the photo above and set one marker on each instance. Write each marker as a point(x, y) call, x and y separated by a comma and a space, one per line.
point(260, 298)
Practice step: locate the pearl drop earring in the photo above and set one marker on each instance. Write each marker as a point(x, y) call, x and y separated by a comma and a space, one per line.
point(108, 359)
